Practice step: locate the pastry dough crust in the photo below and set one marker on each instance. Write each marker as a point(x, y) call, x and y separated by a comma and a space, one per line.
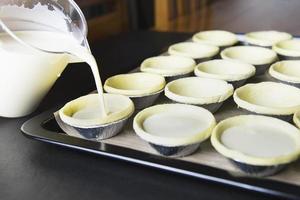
point(226, 70)
point(250, 54)
point(196, 90)
point(268, 98)
point(118, 107)
point(266, 38)
point(288, 48)
point(285, 127)
point(296, 118)
point(135, 84)
point(288, 70)
point(193, 50)
point(216, 37)
point(168, 65)
point(186, 139)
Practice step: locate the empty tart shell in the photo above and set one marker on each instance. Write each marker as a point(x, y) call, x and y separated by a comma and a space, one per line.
point(269, 98)
point(216, 37)
point(208, 93)
point(266, 163)
point(266, 38)
point(163, 138)
point(171, 67)
point(234, 72)
point(196, 51)
point(287, 71)
point(142, 88)
point(260, 57)
point(288, 49)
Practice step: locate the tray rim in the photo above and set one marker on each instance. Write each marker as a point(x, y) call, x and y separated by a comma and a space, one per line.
point(33, 129)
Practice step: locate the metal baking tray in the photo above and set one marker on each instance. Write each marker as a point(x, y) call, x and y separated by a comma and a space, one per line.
point(205, 164)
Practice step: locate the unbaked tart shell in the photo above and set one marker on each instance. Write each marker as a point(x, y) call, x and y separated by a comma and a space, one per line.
point(269, 98)
point(216, 37)
point(266, 38)
point(168, 66)
point(193, 50)
point(198, 91)
point(287, 71)
point(226, 70)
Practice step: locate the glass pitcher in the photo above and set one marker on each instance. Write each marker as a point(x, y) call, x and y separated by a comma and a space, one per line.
point(28, 67)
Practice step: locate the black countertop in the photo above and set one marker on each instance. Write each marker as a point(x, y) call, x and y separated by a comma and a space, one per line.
point(33, 170)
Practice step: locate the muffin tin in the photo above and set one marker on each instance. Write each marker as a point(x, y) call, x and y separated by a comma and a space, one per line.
point(205, 163)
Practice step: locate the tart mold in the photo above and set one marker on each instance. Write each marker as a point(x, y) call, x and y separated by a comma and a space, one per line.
point(174, 89)
point(135, 84)
point(266, 38)
point(171, 67)
point(175, 152)
point(259, 171)
point(173, 146)
point(145, 101)
point(288, 49)
point(245, 95)
point(285, 71)
point(255, 165)
point(141, 97)
point(122, 106)
point(218, 38)
point(95, 133)
point(198, 52)
point(267, 56)
point(235, 73)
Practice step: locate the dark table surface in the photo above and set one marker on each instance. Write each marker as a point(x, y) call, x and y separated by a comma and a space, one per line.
point(34, 170)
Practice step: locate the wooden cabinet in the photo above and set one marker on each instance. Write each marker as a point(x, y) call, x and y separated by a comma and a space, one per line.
point(104, 17)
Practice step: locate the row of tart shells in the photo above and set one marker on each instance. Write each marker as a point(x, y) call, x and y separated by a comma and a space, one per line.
point(137, 85)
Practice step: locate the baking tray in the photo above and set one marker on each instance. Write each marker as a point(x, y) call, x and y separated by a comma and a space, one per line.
point(205, 164)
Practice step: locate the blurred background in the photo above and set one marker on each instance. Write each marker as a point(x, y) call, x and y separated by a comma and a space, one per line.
point(111, 17)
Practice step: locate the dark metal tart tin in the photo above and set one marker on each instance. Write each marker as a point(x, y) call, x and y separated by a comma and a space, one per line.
point(261, 69)
point(255, 45)
point(212, 107)
point(96, 133)
point(172, 78)
point(285, 82)
point(256, 170)
point(287, 118)
point(238, 83)
point(177, 151)
point(199, 60)
point(145, 101)
point(283, 57)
